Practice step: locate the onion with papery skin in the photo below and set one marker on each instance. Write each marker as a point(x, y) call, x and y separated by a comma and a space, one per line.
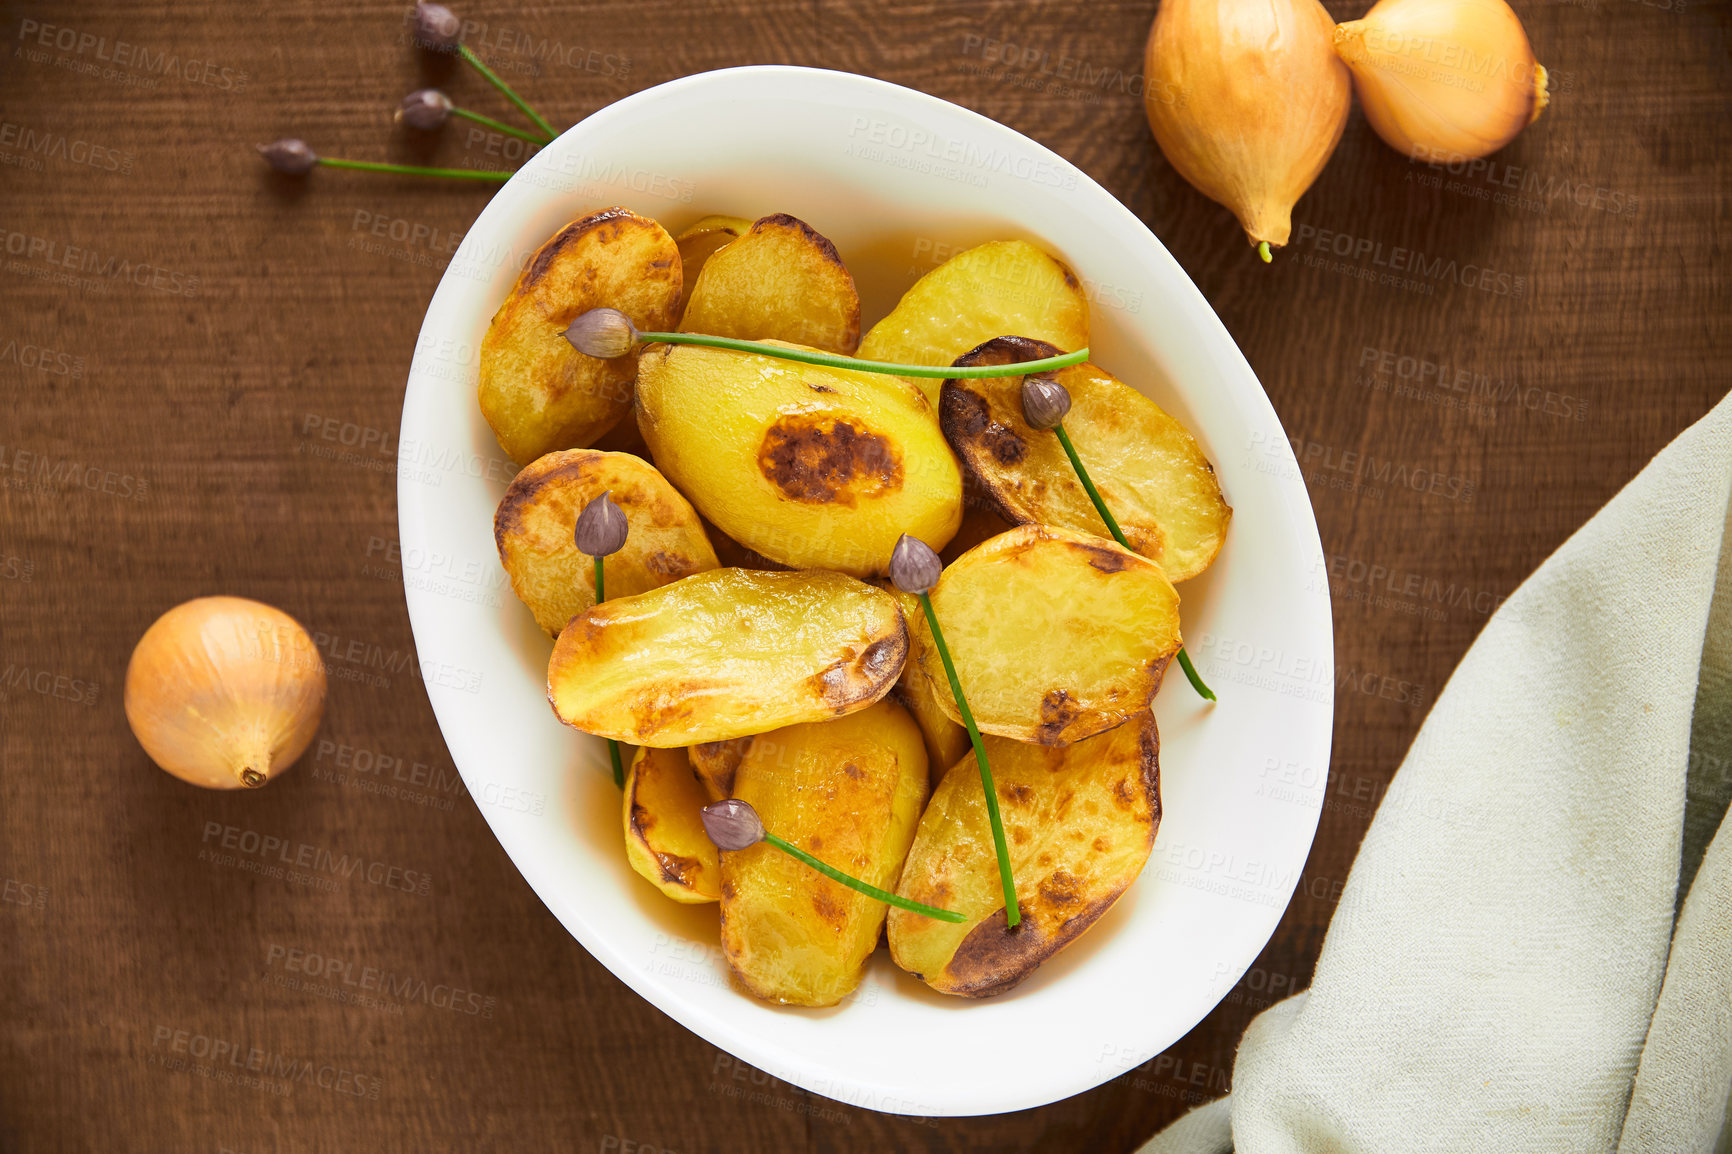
point(1444, 80)
point(225, 692)
point(1247, 101)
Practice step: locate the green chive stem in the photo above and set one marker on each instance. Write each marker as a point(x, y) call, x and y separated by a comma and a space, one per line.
point(1012, 911)
point(1082, 475)
point(870, 891)
point(833, 361)
point(612, 745)
point(498, 125)
point(1203, 691)
point(493, 79)
point(414, 170)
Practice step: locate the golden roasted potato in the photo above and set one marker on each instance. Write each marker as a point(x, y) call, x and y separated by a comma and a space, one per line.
point(726, 653)
point(780, 281)
point(1079, 823)
point(715, 762)
point(664, 835)
point(1056, 635)
point(849, 793)
point(811, 467)
point(533, 530)
point(946, 740)
point(1003, 286)
point(1147, 466)
point(700, 242)
point(538, 392)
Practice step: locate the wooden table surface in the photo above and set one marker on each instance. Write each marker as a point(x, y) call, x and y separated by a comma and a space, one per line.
point(166, 391)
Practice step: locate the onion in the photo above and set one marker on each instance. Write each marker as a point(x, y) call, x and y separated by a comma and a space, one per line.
point(1247, 101)
point(224, 692)
point(1444, 80)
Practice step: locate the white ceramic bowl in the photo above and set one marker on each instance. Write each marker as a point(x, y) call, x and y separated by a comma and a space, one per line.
point(898, 180)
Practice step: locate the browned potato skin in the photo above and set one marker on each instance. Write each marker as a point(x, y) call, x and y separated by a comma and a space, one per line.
point(726, 653)
point(532, 529)
point(537, 392)
point(1056, 635)
point(715, 763)
point(1079, 822)
point(849, 792)
point(782, 281)
point(1149, 469)
point(665, 840)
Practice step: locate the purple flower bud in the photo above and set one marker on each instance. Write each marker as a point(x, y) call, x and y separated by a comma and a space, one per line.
point(425, 108)
point(914, 567)
point(289, 155)
point(436, 26)
point(1044, 402)
point(601, 528)
point(604, 333)
point(732, 824)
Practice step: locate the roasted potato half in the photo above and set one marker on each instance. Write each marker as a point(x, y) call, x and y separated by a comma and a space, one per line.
point(811, 467)
point(700, 242)
point(1079, 823)
point(715, 763)
point(780, 281)
point(1147, 466)
point(538, 392)
point(848, 792)
point(664, 835)
point(533, 531)
point(726, 653)
point(1055, 635)
point(1003, 286)
point(946, 740)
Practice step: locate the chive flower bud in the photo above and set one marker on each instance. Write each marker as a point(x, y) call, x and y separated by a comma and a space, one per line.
point(914, 567)
point(1044, 402)
point(289, 155)
point(601, 528)
point(435, 26)
point(603, 333)
point(732, 824)
point(425, 108)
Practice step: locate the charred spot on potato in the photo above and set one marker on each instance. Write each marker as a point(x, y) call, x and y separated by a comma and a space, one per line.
point(1123, 795)
point(1102, 844)
point(1109, 560)
point(658, 707)
point(850, 680)
point(1057, 711)
point(885, 655)
point(1060, 889)
point(824, 460)
point(1019, 834)
point(677, 869)
point(642, 819)
point(1019, 794)
point(968, 417)
point(826, 907)
point(994, 958)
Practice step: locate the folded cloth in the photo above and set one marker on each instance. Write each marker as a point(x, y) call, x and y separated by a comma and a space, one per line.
point(1511, 967)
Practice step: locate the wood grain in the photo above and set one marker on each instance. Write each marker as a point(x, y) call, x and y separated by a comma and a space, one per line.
point(166, 444)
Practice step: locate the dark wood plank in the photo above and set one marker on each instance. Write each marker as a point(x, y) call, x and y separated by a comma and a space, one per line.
point(170, 447)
